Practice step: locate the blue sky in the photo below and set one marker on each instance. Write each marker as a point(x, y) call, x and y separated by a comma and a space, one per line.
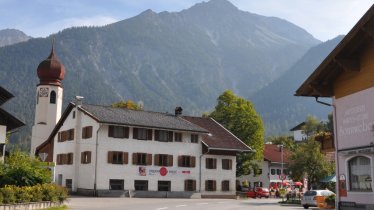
point(324, 19)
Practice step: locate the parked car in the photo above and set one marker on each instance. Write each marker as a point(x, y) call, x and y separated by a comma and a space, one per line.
point(310, 197)
point(258, 192)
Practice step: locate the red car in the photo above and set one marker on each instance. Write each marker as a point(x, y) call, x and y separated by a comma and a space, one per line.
point(258, 192)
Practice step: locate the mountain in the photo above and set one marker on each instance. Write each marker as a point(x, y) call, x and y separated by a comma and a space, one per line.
point(12, 36)
point(279, 108)
point(162, 60)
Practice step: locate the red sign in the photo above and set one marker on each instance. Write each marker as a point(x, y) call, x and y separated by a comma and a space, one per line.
point(342, 186)
point(163, 171)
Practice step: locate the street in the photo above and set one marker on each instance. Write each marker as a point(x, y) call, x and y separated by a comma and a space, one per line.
point(89, 203)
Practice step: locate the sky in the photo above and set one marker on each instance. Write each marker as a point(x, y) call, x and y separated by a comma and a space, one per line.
point(324, 19)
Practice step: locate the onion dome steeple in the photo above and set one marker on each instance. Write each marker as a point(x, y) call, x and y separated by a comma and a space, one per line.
point(51, 71)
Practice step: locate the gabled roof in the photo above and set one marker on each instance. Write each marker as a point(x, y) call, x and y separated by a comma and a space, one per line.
point(273, 153)
point(110, 115)
point(298, 127)
point(343, 58)
point(219, 137)
point(4, 95)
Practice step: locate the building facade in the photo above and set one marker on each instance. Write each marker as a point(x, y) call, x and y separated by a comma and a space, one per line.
point(346, 75)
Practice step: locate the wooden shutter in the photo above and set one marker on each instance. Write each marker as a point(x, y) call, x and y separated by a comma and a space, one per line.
point(82, 157)
point(180, 159)
point(126, 132)
point(193, 185)
point(149, 159)
point(170, 136)
point(170, 160)
point(186, 185)
point(125, 158)
point(214, 163)
point(134, 158)
point(192, 161)
point(71, 134)
point(58, 159)
point(206, 185)
point(111, 131)
point(157, 160)
point(70, 157)
point(88, 132)
point(230, 164)
point(149, 135)
point(214, 185)
point(157, 135)
point(59, 137)
point(110, 157)
point(206, 162)
point(135, 133)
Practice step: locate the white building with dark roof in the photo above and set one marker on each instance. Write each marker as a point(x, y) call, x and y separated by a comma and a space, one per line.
point(106, 151)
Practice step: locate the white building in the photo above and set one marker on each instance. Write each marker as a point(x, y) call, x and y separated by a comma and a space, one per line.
point(298, 132)
point(107, 151)
point(272, 170)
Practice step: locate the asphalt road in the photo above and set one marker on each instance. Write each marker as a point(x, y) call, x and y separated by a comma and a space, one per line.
point(88, 203)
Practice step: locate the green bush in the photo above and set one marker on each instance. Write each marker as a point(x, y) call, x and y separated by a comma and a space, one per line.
point(45, 192)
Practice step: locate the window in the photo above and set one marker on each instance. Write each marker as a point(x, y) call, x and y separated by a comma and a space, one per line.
point(141, 159)
point(73, 114)
point(360, 174)
point(163, 160)
point(272, 171)
point(65, 159)
point(194, 138)
point(69, 184)
point(117, 157)
point(279, 171)
point(52, 100)
point(86, 157)
point(189, 185)
point(186, 161)
point(67, 135)
point(178, 137)
point(118, 132)
point(164, 185)
point(165, 136)
point(87, 132)
point(226, 164)
point(259, 171)
point(211, 163)
point(142, 134)
point(116, 184)
point(141, 185)
point(210, 185)
point(225, 185)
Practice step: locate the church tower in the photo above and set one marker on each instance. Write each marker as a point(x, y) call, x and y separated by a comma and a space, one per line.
point(48, 99)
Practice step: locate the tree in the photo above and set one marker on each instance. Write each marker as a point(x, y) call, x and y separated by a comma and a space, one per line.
point(239, 116)
point(127, 105)
point(286, 141)
point(307, 160)
point(22, 170)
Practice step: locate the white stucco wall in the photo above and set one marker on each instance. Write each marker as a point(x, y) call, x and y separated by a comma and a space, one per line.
point(2, 134)
point(299, 135)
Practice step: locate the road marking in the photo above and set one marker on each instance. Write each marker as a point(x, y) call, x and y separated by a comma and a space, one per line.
point(180, 206)
point(162, 208)
point(223, 202)
point(202, 203)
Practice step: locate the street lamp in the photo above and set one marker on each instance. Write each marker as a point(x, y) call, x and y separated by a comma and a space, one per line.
point(281, 175)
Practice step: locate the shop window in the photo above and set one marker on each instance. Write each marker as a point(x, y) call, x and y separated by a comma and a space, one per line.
point(226, 185)
point(186, 161)
point(211, 163)
point(210, 185)
point(141, 185)
point(272, 171)
point(164, 185)
point(189, 185)
point(116, 184)
point(178, 137)
point(194, 138)
point(360, 178)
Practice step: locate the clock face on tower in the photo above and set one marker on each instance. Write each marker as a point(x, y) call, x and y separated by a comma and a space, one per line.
point(43, 92)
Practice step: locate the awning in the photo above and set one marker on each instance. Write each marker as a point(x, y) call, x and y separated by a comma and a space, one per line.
point(327, 179)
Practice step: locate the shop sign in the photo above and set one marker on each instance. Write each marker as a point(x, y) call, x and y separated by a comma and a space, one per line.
point(163, 171)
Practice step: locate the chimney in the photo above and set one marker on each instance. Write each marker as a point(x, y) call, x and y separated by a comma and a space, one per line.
point(78, 100)
point(178, 111)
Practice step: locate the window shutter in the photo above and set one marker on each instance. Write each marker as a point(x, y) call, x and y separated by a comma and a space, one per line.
point(126, 132)
point(71, 134)
point(214, 163)
point(70, 158)
point(206, 185)
point(180, 161)
point(82, 157)
point(214, 185)
point(157, 160)
point(193, 185)
point(110, 131)
point(170, 160)
point(230, 164)
point(64, 158)
point(135, 133)
point(170, 136)
point(83, 132)
point(125, 158)
point(157, 135)
point(186, 185)
point(149, 135)
point(149, 159)
point(193, 161)
point(89, 157)
point(134, 158)
point(206, 162)
point(89, 132)
point(110, 157)
point(59, 137)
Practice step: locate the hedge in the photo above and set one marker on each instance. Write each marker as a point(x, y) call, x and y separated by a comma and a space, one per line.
point(11, 194)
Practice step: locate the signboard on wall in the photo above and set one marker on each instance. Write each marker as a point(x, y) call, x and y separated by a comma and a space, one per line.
point(342, 186)
point(162, 171)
